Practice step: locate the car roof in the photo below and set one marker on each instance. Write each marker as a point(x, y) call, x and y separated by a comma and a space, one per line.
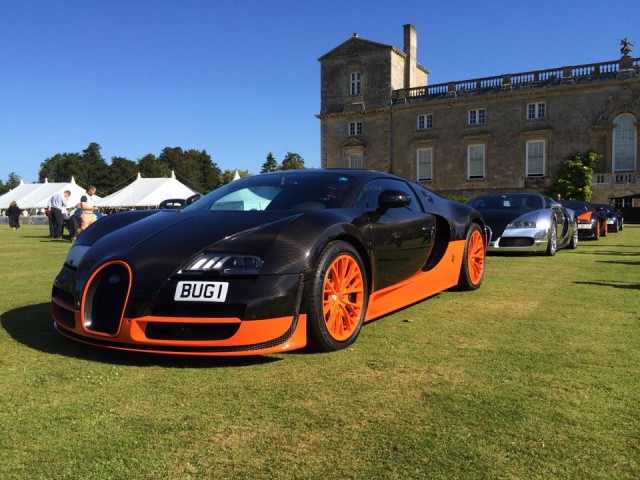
point(360, 174)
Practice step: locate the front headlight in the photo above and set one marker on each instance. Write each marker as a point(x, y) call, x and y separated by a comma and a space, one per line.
point(224, 264)
point(522, 224)
point(76, 254)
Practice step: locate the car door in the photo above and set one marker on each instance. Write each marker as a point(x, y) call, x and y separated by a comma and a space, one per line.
point(560, 215)
point(401, 238)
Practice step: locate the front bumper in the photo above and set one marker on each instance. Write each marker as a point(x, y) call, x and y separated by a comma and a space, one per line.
point(520, 240)
point(105, 314)
point(587, 230)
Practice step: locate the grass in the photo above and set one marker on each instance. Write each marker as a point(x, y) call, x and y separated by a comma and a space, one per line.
point(535, 375)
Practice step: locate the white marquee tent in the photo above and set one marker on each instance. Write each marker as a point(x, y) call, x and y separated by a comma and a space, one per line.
point(36, 196)
point(146, 192)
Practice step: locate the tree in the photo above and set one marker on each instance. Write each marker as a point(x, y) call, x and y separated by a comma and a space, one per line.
point(122, 171)
point(13, 180)
point(204, 172)
point(270, 165)
point(575, 179)
point(61, 167)
point(292, 161)
point(151, 167)
point(228, 175)
point(94, 167)
point(194, 167)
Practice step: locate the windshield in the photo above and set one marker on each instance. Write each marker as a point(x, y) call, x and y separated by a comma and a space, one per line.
point(502, 202)
point(276, 192)
point(577, 206)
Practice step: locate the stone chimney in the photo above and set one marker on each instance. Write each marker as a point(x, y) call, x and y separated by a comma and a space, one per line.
point(410, 50)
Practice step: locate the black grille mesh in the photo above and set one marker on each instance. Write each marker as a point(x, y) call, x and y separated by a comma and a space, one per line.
point(105, 299)
point(516, 242)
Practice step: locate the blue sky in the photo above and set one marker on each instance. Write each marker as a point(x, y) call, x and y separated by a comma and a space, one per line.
point(241, 79)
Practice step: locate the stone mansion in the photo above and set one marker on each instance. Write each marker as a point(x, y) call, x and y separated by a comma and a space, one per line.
point(509, 132)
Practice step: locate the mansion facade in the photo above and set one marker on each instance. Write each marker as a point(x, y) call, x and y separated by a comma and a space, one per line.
point(510, 132)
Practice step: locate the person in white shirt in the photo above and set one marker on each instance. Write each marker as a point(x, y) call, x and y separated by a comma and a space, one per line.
point(88, 215)
point(57, 204)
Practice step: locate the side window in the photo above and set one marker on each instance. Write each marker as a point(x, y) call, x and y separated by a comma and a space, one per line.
point(373, 189)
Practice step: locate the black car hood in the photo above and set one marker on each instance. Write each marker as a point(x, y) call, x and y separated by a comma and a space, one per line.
point(157, 245)
point(498, 219)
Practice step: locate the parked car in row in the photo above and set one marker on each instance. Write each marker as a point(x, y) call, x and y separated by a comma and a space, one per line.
point(527, 222)
point(613, 216)
point(267, 263)
point(592, 222)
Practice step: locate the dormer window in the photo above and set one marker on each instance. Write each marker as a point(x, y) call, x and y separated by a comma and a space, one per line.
point(355, 84)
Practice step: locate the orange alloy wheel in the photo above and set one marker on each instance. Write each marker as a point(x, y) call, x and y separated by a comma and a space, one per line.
point(475, 257)
point(343, 297)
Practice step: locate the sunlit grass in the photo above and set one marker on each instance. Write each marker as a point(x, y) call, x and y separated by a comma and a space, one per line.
point(535, 375)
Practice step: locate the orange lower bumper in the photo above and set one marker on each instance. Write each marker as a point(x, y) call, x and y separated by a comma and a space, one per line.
point(254, 337)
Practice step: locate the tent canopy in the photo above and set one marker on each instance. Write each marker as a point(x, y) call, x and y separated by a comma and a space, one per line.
point(37, 195)
point(146, 192)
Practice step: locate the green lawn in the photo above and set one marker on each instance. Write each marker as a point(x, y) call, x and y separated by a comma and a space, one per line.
point(535, 375)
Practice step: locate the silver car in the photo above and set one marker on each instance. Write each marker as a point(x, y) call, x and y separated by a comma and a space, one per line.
point(527, 222)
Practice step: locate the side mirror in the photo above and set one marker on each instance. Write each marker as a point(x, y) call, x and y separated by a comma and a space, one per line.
point(193, 198)
point(393, 199)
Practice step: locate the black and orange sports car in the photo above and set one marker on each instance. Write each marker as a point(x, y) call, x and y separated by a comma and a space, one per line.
point(613, 217)
point(592, 222)
point(265, 264)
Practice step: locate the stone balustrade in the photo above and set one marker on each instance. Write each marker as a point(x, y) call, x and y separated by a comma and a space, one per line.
point(618, 178)
point(513, 81)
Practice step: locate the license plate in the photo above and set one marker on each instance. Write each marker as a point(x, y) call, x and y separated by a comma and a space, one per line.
point(201, 292)
point(583, 226)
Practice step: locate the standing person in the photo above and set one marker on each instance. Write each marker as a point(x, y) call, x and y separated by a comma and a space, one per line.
point(88, 215)
point(13, 212)
point(58, 202)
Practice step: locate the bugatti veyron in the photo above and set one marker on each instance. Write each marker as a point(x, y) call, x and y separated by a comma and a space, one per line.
point(527, 222)
point(592, 222)
point(267, 263)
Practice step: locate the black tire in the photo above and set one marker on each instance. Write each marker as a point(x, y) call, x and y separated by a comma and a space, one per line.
point(320, 336)
point(552, 244)
point(474, 260)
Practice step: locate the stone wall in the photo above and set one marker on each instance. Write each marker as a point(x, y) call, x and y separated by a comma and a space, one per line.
point(581, 103)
